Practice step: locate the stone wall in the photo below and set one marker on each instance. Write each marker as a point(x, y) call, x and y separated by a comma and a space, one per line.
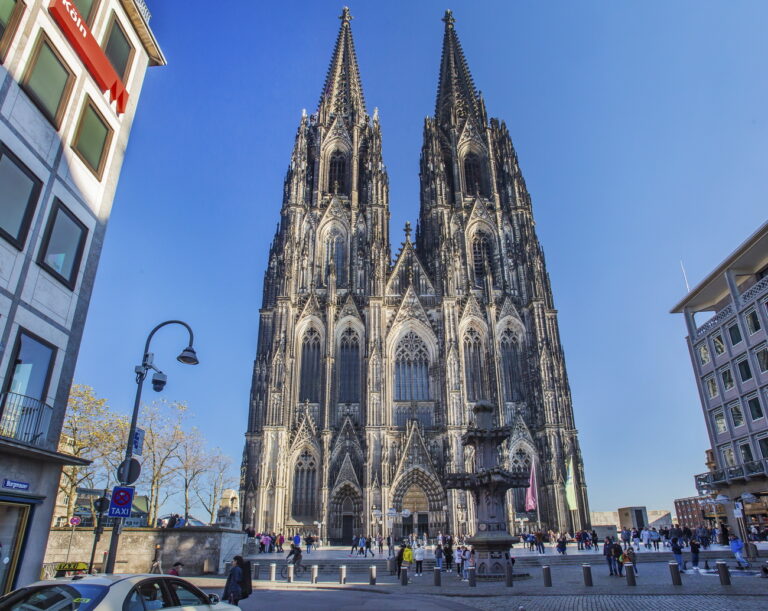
point(202, 549)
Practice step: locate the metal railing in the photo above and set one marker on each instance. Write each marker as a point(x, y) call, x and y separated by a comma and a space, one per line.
point(715, 320)
point(24, 419)
point(754, 468)
point(142, 6)
point(754, 291)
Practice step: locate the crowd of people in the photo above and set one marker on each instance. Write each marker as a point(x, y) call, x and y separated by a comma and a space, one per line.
point(272, 543)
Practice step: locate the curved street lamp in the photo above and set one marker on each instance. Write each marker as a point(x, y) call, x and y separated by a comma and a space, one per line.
point(187, 357)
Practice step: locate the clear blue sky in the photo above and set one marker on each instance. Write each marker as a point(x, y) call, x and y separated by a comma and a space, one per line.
point(641, 130)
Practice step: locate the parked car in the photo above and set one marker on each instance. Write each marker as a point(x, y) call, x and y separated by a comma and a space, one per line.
point(112, 593)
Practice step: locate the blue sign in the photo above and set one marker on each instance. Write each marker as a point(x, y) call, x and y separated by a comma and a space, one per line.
point(138, 442)
point(14, 485)
point(121, 502)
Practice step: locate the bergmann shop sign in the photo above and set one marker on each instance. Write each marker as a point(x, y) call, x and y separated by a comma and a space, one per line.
point(77, 32)
point(14, 485)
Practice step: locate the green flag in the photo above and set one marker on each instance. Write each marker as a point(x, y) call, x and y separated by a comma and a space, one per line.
point(570, 487)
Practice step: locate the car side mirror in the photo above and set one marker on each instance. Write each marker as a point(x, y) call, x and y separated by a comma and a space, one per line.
point(214, 598)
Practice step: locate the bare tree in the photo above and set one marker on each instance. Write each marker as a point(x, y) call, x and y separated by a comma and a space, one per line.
point(192, 464)
point(210, 487)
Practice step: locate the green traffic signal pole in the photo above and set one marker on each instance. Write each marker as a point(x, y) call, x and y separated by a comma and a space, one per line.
point(187, 357)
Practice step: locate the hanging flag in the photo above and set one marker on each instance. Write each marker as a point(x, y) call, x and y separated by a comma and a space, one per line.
point(531, 496)
point(570, 487)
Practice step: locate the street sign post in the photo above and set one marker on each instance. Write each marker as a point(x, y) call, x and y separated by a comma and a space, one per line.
point(138, 442)
point(121, 502)
point(128, 471)
point(74, 521)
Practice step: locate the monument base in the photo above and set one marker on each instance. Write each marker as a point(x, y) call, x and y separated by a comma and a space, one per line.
point(491, 554)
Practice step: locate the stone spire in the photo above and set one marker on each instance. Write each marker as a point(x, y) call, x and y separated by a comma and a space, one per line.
point(343, 91)
point(456, 91)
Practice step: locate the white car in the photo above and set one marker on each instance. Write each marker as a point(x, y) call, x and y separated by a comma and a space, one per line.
point(112, 593)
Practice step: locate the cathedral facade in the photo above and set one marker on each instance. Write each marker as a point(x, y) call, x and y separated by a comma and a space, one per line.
point(368, 366)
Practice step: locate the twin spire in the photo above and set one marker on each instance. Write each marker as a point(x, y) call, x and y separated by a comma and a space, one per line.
point(343, 91)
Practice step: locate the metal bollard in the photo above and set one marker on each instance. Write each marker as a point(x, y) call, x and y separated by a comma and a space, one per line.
point(674, 570)
point(342, 574)
point(508, 578)
point(438, 576)
point(272, 572)
point(547, 575)
point(255, 570)
point(725, 574)
point(586, 569)
point(404, 576)
point(630, 568)
point(289, 576)
point(313, 573)
point(472, 575)
point(372, 576)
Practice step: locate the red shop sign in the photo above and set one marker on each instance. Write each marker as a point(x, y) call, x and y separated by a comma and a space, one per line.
point(78, 34)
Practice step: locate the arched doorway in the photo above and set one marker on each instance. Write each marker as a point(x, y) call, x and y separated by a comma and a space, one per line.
point(415, 501)
point(346, 514)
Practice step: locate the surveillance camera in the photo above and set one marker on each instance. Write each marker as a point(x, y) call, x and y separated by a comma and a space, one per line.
point(158, 381)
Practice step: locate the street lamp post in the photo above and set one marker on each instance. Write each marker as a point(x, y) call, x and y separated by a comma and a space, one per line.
point(187, 357)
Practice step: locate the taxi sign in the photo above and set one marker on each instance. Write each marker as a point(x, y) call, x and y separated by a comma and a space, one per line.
point(71, 566)
point(121, 502)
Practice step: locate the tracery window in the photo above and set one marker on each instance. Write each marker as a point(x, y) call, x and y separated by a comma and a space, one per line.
point(411, 369)
point(482, 260)
point(310, 367)
point(473, 175)
point(337, 173)
point(336, 251)
point(473, 366)
point(349, 367)
point(511, 371)
point(304, 486)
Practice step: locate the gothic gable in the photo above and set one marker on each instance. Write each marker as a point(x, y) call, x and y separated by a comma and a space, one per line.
point(347, 473)
point(311, 308)
point(480, 214)
point(305, 433)
point(472, 310)
point(349, 309)
point(411, 308)
point(508, 309)
point(409, 271)
point(415, 453)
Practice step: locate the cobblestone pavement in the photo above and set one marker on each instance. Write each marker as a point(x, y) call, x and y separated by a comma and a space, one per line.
point(623, 603)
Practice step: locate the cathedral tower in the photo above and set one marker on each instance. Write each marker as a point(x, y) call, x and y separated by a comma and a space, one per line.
point(367, 368)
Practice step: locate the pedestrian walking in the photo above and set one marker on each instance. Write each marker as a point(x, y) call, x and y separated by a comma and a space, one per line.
point(695, 546)
point(737, 547)
point(448, 553)
point(677, 552)
point(609, 557)
point(233, 589)
point(418, 557)
point(618, 554)
point(439, 555)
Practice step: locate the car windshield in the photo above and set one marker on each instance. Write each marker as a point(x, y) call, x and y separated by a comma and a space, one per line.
point(54, 597)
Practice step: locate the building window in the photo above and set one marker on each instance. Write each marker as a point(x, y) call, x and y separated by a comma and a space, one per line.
point(727, 376)
point(31, 369)
point(703, 351)
point(337, 173)
point(87, 10)
point(711, 385)
point(349, 367)
point(304, 486)
point(735, 334)
point(763, 443)
point(745, 371)
point(753, 321)
point(482, 260)
point(10, 15)
point(729, 458)
point(762, 359)
point(48, 80)
point(720, 425)
point(411, 369)
point(718, 344)
point(63, 245)
point(19, 191)
point(510, 365)
point(310, 367)
point(336, 252)
point(746, 453)
point(117, 48)
point(474, 372)
point(473, 175)
point(92, 138)
point(755, 411)
point(737, 417)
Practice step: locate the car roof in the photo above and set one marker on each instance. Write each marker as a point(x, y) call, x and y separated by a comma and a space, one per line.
point(101, 579)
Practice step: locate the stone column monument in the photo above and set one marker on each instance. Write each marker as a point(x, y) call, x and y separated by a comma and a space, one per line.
point(488, 485)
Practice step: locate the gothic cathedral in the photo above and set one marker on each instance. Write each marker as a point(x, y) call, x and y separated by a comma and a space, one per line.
point(367, 367)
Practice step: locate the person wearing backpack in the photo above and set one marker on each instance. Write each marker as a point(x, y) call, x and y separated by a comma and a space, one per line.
point(233, 589)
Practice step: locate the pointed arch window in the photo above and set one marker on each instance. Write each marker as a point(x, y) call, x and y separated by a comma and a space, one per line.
point(482, 260)
point(304, 486)
point(511, 369)
point(473, 366)
point(411, 369)
point(336, 252)
point(349, 367)
point(337, 173)
point(310, 367)
point(473, 175)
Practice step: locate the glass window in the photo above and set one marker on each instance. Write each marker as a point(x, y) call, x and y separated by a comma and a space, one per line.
point(736, 415)
point(31, 367)
point(720, 424)
point(48, 80)
point(63, 245)
point(13, 522)
point(762, 359)
point(745, 371)
point(151, 594)
point(729, 458)
point(753, 322)
point(86, 9)
point(746, 453)
point(727, 377)
point(711, 387)
point(92, 138)
point(763, 443)
point(735, 334)
point(10, 13)
point(187, 596)
point(19, 190)
point(71, 596)
point(755, 410)
point(703, 353)
point(717, 343)
point(117, 49)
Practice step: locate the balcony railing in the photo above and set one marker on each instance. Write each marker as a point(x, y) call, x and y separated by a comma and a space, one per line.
point(754, 291)
point(714, 321)
point(710, 479)
point(24, 419)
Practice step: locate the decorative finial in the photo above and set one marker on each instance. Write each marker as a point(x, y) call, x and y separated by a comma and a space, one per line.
point(407, 231)
point(375, 113)
point(346, 16)
point(303, 113)
point(448, 18)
